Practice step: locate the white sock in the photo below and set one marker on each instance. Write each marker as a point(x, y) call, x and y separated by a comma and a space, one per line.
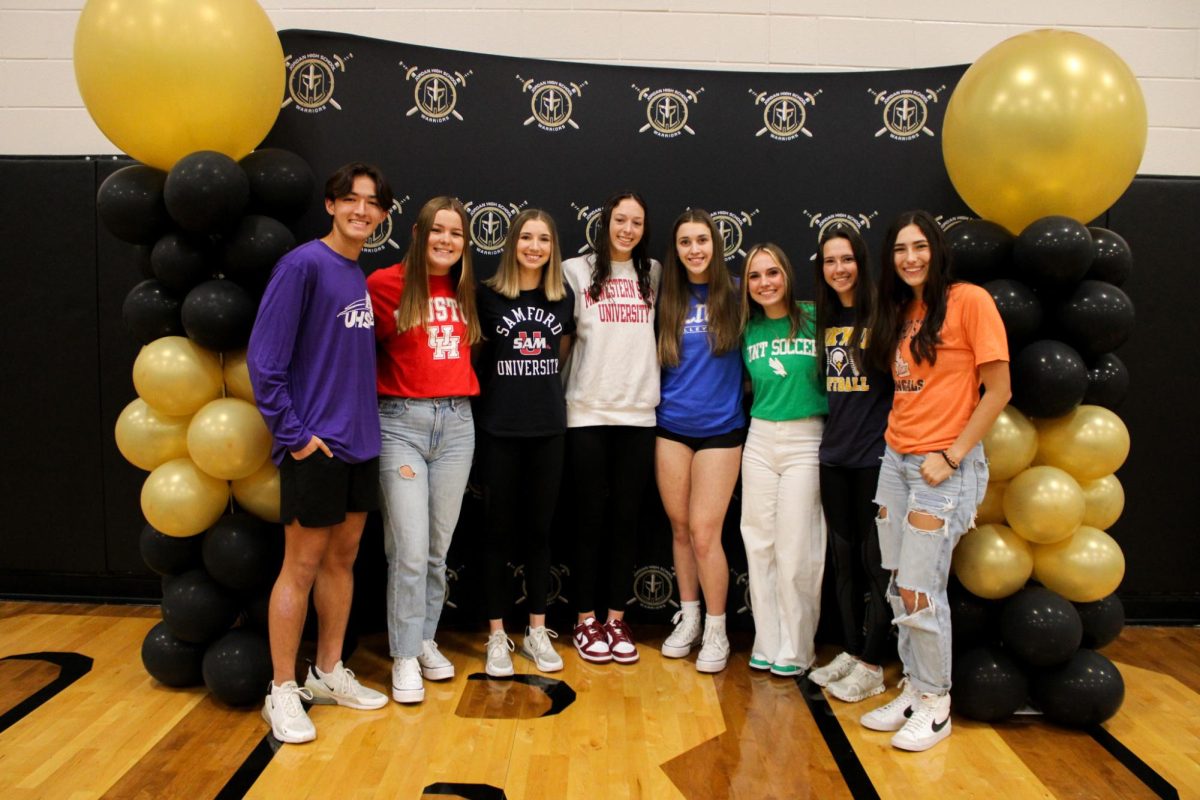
point(691, 608)
point(714, 622)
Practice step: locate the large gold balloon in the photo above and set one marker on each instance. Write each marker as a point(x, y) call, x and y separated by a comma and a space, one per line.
point(1010, 445)
point(228, 439)
point(1047, 122)
point(1043, 504)
point(237, 376)
point(1104, 500)
point(991, 508)
point(992, 561)
point(147, 438)
point(176, 376)
point(1089, 442)
point(165, 78)
point(1084, 568)
point(259, 493)
point(179, 499)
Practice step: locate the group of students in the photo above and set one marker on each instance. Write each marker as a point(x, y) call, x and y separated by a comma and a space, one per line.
point(605, 367)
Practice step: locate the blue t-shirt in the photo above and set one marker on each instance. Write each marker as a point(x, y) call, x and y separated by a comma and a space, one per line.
point(703, 395)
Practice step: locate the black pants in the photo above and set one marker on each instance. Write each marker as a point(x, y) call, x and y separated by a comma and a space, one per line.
point(611, 468)
point(847, 495)
point(522, 477)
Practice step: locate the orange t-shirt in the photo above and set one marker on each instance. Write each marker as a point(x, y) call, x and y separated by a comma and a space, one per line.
point(933, 402)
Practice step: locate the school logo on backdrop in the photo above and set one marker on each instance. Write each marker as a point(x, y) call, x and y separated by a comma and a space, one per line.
point(730, 225)
point(949, 222)
point(653, 587)
point(590, 217)
point(743, 580)
point(905, 112)
point(382, 237)
point(552, 103)
point(310, 81)
point(435, 92)
point(667, 110)
point(826, 222)
point(489, 224)
point(784, 114)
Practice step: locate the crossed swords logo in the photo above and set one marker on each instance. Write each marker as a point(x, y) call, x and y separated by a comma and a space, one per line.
point(554, 99)
point(907, 108)
point(438, 88)
point(314, 75)
point(666, 109)
point(784, 114)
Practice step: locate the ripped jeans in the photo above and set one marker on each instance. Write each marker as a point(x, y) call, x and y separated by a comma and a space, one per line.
point(920, 560)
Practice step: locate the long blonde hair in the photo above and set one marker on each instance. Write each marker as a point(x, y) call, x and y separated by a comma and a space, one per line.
point(414, 300)
point(507, 280)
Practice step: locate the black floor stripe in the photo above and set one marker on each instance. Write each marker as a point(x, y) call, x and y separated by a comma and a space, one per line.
point(467, 791)
point(252, 767)
point(560, 693)
point(856, 778)
point(1143, 771)
point(71, 667)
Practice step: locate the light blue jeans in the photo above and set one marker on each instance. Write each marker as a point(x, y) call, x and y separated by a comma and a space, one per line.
point(920, 559)
point(423, 470)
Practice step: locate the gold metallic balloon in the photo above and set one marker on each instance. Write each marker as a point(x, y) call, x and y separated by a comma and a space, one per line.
point(1043, 504)
point(165, 78)
point(147, 438)
point(1089, 442)
point(991, 508)
point(1084, 568)
point(992, 561)
point(1010, 445)
point(1047, 122)
point(1104, 500)
point(228, 439)
point(179, 499)
point(237, 376)
point(259, 493)
point(176, 376)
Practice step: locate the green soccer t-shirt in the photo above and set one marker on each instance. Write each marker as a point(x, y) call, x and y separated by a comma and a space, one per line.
point(783, 370)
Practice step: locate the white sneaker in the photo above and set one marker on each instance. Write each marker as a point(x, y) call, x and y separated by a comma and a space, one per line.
point(892, 716)
point(861, 683)
point(434, 665)
point(538, 647)
point(407, 686)
point(685, 636)
point(929, 724)
point(499, 664)
point(340, 687)
point(835, 670)
point(286, 716)
point(714, 654)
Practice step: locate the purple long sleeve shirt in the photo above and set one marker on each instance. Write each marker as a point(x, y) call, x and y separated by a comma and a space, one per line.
point(312, 355)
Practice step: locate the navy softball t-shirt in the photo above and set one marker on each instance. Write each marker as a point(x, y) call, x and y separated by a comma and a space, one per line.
point(859, 399)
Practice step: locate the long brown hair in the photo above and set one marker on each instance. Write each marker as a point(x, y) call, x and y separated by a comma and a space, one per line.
point(602, 258)
point(414, 300)
point(798, 315)
point(826, 302)
point(507, 282)
point(724, 328)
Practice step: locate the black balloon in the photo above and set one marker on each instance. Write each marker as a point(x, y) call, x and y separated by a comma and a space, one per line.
point(150, 312)
point(1040, 627)
point(252, 250)
point(971, 617)
point(206, 191)
point(243, 552)
point(169, 555)
point(989, 684)
point(1113, 261)
point(1053, 251)
point(980, 250)
point(1049, 379)
point(1108, 382)
point(1086, 690)
point(1095, 318)
point(196, 608)
point(130, 204)
point(219, 315)
point(1019, 308)
point(1102, 621)
point(181, 261)
point(170, 660)
point(237, 667)
point(281, 183)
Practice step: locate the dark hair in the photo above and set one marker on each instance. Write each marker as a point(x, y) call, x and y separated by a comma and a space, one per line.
point(827, 301)
point(602, 266)
point(341, 182)
point(412, 310)
point(895, 295)
point(797, 314)
point(724, 330)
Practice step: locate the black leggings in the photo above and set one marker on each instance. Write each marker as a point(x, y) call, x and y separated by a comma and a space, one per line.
point(522, 476)
point(847, 495)
point(611, 466)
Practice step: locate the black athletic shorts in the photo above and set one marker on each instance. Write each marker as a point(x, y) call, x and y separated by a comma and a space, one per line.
point(318, 491)
point(696, 443)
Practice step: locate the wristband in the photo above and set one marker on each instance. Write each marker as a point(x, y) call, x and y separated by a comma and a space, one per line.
point(953, 464)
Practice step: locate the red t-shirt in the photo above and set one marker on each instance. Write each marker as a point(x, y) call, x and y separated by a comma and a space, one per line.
point(434, 361)
point(933, 402)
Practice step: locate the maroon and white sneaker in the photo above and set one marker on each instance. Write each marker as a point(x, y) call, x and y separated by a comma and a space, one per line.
point(591, 642)
point(620, 642)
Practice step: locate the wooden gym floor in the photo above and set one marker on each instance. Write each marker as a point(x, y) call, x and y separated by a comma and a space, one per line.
point(657, 729)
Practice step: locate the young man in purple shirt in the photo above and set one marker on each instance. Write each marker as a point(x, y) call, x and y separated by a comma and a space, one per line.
point(312, 363)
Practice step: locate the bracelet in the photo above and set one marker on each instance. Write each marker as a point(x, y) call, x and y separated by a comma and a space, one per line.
point(953, 464)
